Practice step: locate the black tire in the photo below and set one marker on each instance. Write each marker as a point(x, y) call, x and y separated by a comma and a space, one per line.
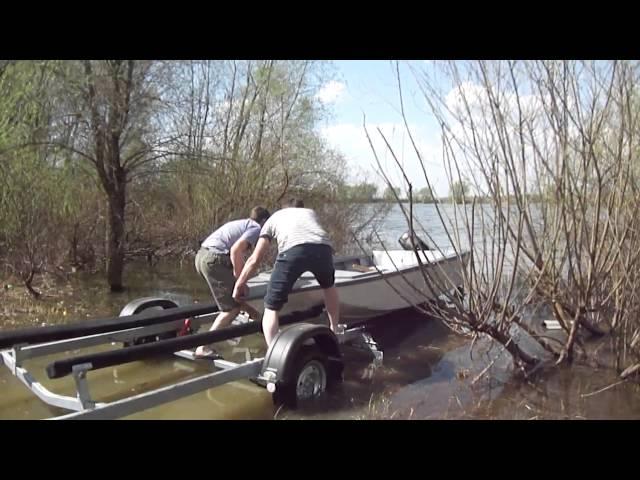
point(309, 378)
point(151, 338)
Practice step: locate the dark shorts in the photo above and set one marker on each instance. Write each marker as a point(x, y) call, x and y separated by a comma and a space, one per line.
point(217, 270)
point(290, 264)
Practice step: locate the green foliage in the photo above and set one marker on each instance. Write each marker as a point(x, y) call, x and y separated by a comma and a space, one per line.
point(389, 196)
point(459, 190)
point(423, 196)
point(200, 143)
point(361, 192)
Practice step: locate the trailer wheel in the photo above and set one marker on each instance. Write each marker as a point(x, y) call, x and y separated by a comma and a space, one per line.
point(308, 378)
point(140, 305)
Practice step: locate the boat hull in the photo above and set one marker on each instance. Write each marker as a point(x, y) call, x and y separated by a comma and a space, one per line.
point(397, 283)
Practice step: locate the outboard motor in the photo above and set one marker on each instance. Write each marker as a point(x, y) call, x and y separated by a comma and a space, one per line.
point(405, 242)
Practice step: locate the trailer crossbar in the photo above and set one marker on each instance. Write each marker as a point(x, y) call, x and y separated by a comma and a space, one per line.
point(144, 401)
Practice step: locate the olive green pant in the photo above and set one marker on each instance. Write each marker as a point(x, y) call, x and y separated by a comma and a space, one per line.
point(217, 270)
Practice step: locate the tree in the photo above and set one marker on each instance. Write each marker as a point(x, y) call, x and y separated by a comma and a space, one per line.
point(424, 196)
point(174, 148)
point(563, 132)
point(112, 103)
point(459, 190)
point(389, 195)
point(31, 187)
point(362, 192)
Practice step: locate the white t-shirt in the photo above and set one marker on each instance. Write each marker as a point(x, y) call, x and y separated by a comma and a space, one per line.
point(294, 226)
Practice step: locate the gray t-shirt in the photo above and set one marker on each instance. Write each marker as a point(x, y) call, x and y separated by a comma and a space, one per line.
point(224, 237)
point(294, 226)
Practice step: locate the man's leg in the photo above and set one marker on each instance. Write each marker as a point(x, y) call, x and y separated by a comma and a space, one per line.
point(222, 320)
point(287, 269)
point(270, 325)
point(321, 258)
point(332, 304)
point(220, 279)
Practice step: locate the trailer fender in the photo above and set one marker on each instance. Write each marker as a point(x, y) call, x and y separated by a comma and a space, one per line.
point(146, 303)
point(140, 304)
point(294, 343)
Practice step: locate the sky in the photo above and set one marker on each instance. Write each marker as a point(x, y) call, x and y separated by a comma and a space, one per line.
point(365, 93)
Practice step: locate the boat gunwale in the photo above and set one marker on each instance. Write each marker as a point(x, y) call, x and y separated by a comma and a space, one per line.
point(378, 274)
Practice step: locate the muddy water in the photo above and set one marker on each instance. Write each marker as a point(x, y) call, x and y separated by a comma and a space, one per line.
point(427, 373)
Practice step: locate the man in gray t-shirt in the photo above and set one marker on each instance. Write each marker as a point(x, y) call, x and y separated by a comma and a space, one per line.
point(220, 260)
point(303, 245)
point(222, 240)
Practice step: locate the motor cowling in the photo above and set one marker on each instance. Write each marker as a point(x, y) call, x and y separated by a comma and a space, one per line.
point(405, 242)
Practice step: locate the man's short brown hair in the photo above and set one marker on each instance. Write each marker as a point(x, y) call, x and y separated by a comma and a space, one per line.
point(259, 214)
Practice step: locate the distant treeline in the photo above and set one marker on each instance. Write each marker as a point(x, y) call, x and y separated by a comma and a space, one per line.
point(459, 193)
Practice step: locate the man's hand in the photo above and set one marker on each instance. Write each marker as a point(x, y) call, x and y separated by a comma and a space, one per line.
point(240, 291)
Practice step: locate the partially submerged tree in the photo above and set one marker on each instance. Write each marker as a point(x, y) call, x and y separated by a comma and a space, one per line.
point(552, 146)
point(113, 104)
point(147, 157)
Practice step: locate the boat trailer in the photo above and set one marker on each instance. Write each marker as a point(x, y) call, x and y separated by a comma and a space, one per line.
point(303, 360)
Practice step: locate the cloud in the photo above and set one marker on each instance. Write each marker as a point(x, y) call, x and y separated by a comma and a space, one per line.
point(351, 140)
point(473, 108)
point(475, 96)
point(332, 92)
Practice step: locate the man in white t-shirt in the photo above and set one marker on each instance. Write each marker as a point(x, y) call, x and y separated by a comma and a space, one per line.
point(303, 246)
